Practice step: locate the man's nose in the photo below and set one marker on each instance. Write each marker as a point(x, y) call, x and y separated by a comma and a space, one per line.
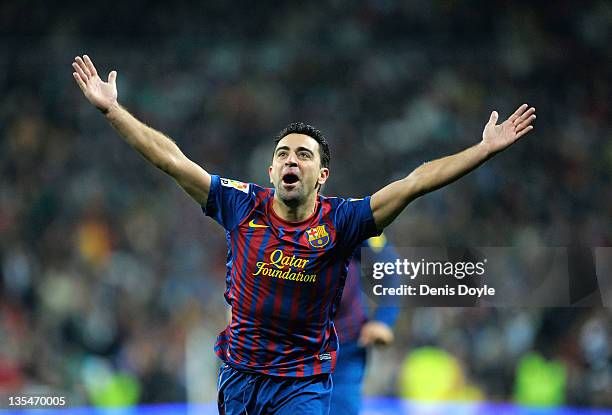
point(291, 160)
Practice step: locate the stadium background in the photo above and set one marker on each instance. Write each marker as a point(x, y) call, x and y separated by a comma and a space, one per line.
point(111, 279)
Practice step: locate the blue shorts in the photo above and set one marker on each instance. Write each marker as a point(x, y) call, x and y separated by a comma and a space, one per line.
point(254, 394)
point(348, 378)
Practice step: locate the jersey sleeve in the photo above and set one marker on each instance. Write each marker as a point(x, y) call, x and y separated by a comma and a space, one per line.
point(229, 201)
point(354, 221)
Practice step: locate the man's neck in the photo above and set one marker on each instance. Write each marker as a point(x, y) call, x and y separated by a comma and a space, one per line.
point(297, 213)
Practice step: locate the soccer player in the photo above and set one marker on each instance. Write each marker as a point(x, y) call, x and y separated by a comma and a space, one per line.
point(357, 331)
point(288, 248)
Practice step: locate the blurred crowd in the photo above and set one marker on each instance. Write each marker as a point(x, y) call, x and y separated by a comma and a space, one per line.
point(111, 278)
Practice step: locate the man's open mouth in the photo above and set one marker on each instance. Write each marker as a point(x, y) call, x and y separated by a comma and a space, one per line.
point(290, 178)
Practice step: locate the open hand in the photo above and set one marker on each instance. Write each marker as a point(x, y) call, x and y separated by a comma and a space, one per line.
point(101, 94)
point(498, 137)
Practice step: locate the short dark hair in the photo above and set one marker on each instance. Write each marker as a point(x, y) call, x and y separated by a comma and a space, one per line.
point(309, 130)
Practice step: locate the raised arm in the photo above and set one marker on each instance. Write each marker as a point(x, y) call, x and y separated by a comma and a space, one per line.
point(388, 202)
point(154, 146)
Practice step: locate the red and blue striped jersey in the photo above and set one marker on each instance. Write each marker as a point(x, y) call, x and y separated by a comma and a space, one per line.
point(284, 279)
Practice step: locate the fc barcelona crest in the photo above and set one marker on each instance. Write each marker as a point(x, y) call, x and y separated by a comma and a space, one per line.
point(318, 236)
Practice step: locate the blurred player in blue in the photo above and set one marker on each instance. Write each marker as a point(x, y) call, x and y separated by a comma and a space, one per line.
point(357, 330)
point(288, 248)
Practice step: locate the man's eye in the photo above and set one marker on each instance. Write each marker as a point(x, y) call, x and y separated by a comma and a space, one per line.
point(304, 155)
point(281, 154)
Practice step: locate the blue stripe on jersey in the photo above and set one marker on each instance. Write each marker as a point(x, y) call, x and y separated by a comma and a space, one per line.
point(253, 306)
point(229, 264)
point(241, 292)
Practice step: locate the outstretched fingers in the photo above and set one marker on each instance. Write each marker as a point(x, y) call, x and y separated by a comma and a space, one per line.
point(526, 115)
point(524, 131)
point(525, 123)
point(79, 81)
point(90, 66)
point(519, 111)
point(525, 120)
point(81, 64)
point(522, 125)
point(80, 72)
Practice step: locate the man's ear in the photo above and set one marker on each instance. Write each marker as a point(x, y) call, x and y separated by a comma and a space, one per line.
point(270, 174)
point(323, 175)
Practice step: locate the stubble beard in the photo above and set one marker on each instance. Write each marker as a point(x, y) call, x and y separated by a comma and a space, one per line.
point(292, 199)
point(295, 198)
